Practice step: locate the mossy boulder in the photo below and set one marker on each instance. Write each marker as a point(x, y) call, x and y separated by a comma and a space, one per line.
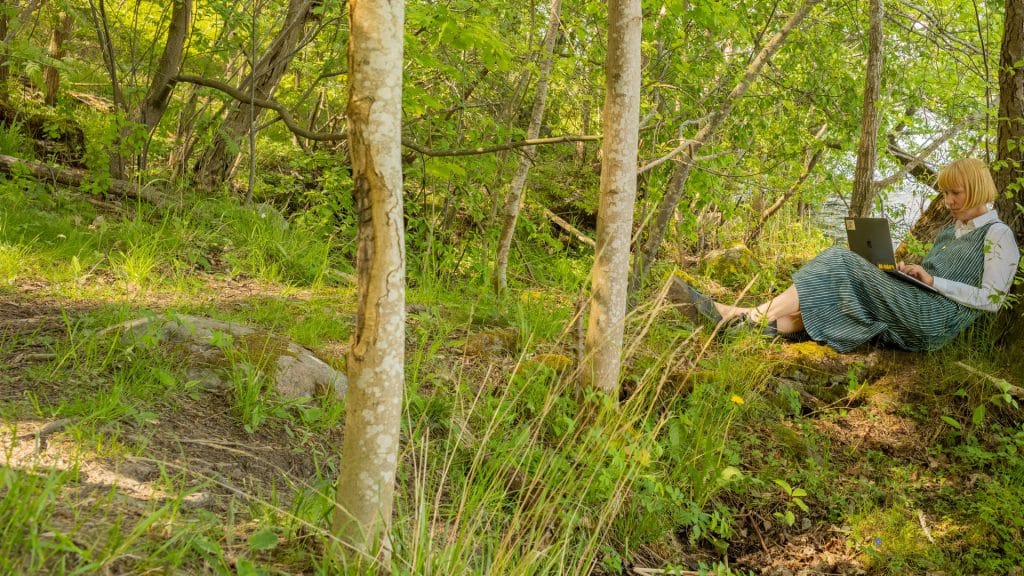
point(213, 346)
point(559, 363)
point(732, 266)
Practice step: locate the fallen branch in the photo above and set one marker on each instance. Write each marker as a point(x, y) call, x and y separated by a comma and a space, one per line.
point(570, 228)
point(1015, 391)
point(73, 177)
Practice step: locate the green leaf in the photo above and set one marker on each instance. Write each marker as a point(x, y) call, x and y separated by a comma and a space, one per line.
point(728, 474)
point(245, 568)
point(784, 485)
point(265, 539)
point(952, 422)
point(978, 416)
point(206, 545)
point(800, 504)
point(798, 493)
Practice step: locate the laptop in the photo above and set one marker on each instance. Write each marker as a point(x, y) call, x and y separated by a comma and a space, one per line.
point(870, 239)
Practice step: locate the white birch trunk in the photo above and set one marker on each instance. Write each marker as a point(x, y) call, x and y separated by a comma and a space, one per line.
point(516, 196)
point(376, 359)
point(621, 118)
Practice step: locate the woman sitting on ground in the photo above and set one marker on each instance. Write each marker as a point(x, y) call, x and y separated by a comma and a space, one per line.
point(842, 300)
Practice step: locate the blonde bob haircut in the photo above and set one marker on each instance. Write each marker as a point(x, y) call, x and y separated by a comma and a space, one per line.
point(972, 176)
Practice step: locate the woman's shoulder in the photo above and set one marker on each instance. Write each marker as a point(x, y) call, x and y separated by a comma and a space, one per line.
point(999, 227)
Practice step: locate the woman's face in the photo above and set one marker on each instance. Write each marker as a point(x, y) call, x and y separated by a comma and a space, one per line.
point(956, 201)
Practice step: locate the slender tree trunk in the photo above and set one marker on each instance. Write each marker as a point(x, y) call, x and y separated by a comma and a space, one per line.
point(154, 104)
point(864, 173)
point(581, 147)
point(516, 195)
point(1009, 172)
point(689, 149)
point(621, 119)
point(98, 13)
point(51, 76)
point(376, 358)
point(220, 160)
point(4, 70)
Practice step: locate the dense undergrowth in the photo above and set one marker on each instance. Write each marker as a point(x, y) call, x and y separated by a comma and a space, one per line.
point(710, 460)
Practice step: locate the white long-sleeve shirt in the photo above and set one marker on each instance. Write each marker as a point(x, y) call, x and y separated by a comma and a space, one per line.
point(1001, 259)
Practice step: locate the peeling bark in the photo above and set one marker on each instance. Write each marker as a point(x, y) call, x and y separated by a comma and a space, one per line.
point(376, 359)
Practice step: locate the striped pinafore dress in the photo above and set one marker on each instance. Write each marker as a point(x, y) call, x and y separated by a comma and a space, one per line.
point(845, 301)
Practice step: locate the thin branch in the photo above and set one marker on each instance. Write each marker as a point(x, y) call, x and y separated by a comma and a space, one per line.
point(289, 121)
point(499, 147)
point(926, 152)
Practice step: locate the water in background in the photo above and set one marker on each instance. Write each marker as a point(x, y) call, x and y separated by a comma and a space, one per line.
point(902, 205)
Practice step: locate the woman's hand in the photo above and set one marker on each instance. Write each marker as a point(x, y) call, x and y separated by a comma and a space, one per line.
point(917, 272)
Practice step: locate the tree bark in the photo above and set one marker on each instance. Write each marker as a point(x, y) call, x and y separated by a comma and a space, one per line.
point(51, 76)
point(4, 69)
point(154, 104)
point(621, 119)
point(220, 160)
point(516, 195)
point(376, 357)
point(1009, 166)
point(689, 149)
point(867, 150)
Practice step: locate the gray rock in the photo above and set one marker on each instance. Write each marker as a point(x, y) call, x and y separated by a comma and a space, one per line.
point(215, 345)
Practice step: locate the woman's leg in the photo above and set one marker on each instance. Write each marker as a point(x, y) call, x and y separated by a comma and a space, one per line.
point(784, 309)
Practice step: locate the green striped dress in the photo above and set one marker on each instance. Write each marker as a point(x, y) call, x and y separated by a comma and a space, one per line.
point(846, 301)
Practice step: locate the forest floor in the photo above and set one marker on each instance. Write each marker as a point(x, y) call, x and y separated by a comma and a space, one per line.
point(887, 459)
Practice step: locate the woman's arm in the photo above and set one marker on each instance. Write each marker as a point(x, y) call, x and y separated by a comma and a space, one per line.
point(1001, 258)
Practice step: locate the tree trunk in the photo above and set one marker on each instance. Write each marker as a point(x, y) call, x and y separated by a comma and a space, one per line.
point(4, 69)
point(516, 196)
point(220, 160)
point(98, 13)
point(864, 173)
point(689, 149)
point(1009, 166)
point(621, 119)
point(51, 76)
point(154, 104)
point(152, 108)
point(935, 216)
point(376, 358)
